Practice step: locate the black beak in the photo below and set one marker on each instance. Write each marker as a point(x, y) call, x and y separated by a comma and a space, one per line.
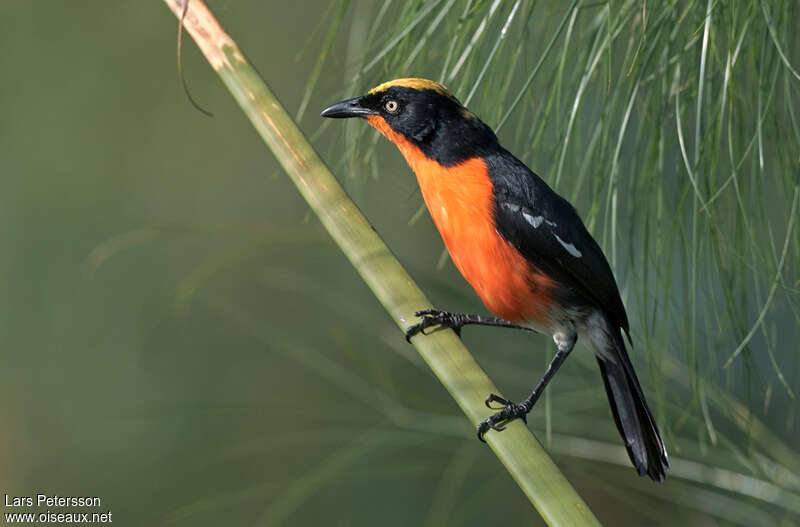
point(348, 108)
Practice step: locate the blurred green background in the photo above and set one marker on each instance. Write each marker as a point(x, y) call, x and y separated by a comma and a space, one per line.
point(180, 337)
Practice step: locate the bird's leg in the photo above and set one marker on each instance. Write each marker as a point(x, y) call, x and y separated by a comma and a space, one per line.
point(454, 321)
point(511, 410)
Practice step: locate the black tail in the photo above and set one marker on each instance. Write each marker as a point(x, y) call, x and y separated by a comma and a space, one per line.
point(634, 420)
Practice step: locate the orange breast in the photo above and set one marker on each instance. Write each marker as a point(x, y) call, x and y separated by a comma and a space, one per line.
point(460, 201)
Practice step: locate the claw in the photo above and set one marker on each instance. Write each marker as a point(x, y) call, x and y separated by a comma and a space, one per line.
point(494, 398)
point(480, 434)
point(483, 427)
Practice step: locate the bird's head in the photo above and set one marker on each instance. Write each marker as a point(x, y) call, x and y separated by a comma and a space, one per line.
point(421, 117)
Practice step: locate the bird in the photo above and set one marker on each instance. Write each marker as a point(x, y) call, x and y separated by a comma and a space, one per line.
point(521, 246)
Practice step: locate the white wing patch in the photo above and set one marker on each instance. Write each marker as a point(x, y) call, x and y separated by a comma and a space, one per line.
point(536, 222)
point(533, 220)
point(569, 247)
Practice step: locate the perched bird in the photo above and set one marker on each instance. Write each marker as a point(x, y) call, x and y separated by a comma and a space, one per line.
point(521, 246)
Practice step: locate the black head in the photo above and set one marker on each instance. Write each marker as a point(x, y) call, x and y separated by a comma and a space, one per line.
point(425, 114)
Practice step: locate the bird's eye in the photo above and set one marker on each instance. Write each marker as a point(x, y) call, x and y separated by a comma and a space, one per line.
point(391, 106)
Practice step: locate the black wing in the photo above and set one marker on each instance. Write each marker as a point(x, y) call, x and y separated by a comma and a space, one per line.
point(547, 230)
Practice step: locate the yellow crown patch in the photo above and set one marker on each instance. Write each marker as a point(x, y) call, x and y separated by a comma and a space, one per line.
point(417, 84)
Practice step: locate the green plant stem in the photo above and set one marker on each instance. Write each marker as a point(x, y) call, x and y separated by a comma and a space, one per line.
point(519, 451)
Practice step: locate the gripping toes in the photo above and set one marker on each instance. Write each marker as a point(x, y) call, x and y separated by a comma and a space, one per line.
point(485, 425)
point(497, 421)
point(430, 317)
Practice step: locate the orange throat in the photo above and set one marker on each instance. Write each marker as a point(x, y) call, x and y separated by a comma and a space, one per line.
point(460, 200)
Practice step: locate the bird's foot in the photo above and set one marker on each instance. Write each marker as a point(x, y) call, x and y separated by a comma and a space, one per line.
point(508, 413)
point(434, 317)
